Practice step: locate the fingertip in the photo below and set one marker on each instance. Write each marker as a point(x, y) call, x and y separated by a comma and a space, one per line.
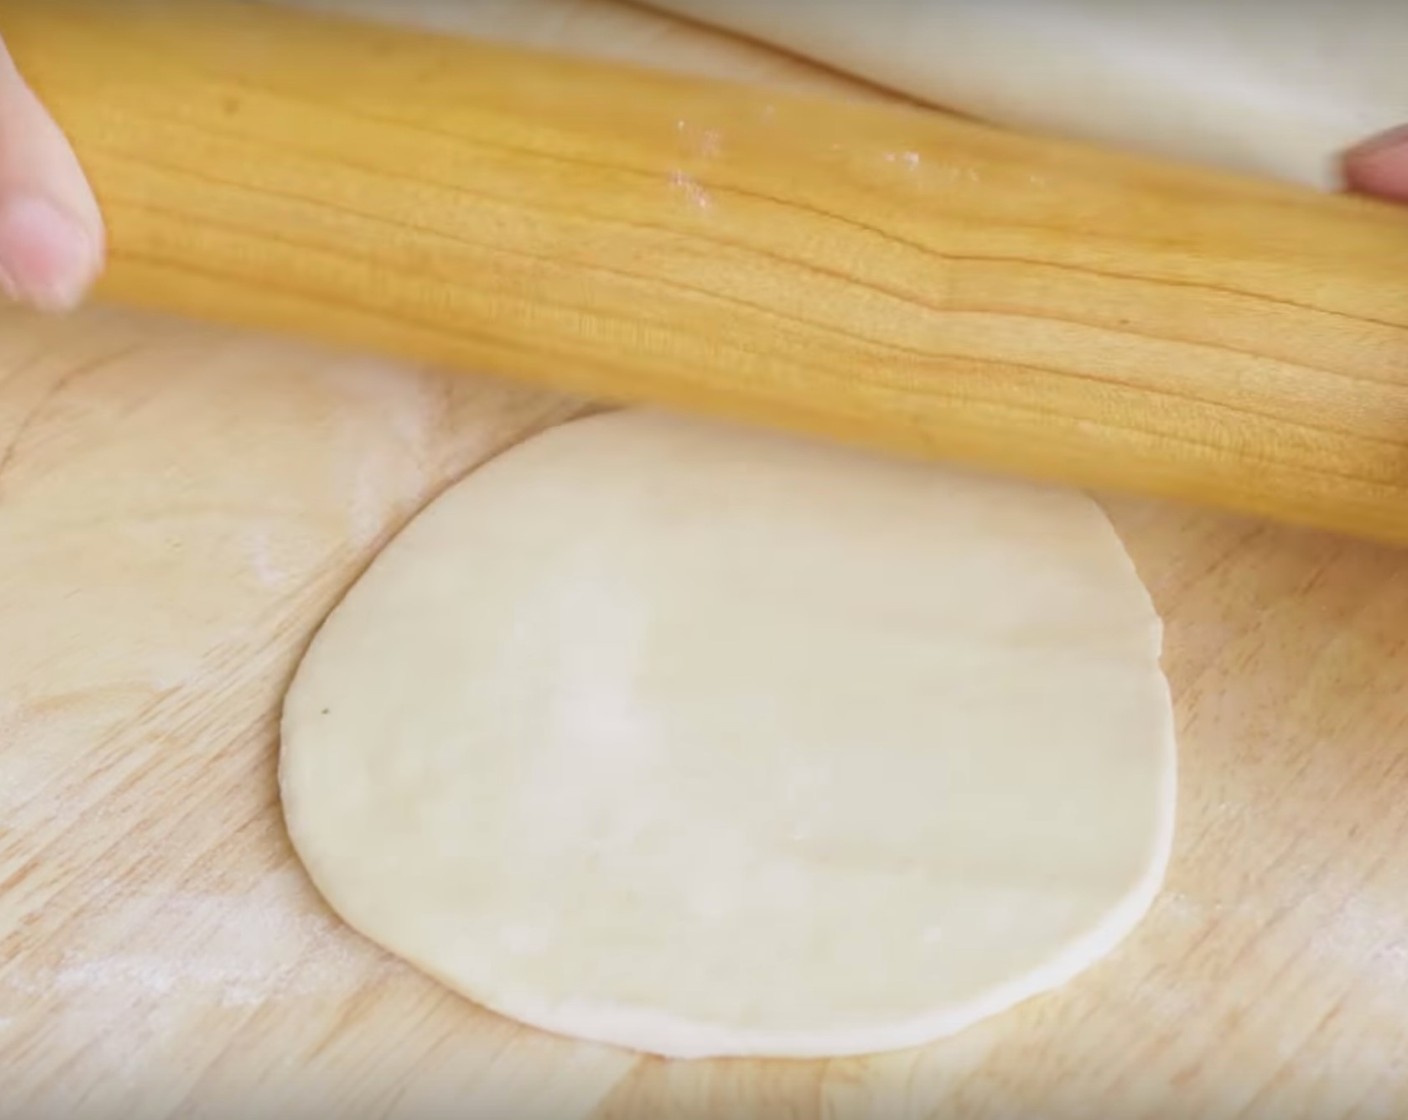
point(49, 258)
point(52, 238)
point(1379, 166)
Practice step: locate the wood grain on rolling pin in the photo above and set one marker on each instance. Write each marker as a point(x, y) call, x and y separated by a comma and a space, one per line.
point(883, 275)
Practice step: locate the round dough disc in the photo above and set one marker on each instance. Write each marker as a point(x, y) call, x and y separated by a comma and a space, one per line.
point(702, 741)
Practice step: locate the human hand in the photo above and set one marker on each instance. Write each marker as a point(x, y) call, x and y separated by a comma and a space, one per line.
point(51, 232)
point(1379, 166)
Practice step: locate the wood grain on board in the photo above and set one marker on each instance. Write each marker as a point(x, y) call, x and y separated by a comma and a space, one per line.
point(179, 508)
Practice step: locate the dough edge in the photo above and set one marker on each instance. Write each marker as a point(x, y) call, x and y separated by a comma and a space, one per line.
point(647, 1031)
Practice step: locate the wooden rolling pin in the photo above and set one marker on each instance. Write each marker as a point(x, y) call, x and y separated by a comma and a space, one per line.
point(890, 277)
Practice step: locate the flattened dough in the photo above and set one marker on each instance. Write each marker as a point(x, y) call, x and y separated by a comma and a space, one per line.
point(701, 741)
point(1278, 89)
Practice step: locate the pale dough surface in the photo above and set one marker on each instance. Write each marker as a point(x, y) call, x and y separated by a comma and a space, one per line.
point(701, 741)
point(1272, 88)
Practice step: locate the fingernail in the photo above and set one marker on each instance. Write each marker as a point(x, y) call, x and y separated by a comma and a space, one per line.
point(47, 259)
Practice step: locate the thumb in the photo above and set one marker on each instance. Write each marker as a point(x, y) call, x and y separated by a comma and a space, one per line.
point(51, 233)
point(1379, 166)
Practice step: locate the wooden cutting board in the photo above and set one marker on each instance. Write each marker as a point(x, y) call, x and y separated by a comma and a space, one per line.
point(179, 507)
